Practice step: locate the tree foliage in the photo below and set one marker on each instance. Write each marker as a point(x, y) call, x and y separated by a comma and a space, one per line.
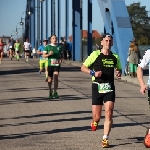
point(140, 21)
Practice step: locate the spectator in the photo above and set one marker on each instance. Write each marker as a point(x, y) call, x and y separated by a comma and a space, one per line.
point(134, 56)
point(69, 49)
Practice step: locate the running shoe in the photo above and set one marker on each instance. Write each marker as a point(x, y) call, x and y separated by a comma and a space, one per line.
point(55, 95)
point(105, 143)
point(94, 126)
point(51, 95)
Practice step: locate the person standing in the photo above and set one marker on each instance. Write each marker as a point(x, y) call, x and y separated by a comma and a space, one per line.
point(1, 50)
point(17, 49)
point(43, 61)
point(134, 54)
point(103, 89)
point(53, 53)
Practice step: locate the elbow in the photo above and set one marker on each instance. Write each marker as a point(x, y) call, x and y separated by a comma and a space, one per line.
point(82, 68)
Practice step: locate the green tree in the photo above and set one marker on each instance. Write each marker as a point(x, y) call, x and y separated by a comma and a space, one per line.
point(140, 22)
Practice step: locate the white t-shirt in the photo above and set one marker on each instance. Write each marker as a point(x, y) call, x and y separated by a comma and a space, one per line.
point(146, 59)
point(27, 45)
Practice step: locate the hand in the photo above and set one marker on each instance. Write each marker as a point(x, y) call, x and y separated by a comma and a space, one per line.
point(143, 89)
point(118, 74)
point(51, 53)
point(98, 73)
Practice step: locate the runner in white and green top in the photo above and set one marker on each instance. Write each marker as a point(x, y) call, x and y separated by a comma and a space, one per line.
point(53, 53)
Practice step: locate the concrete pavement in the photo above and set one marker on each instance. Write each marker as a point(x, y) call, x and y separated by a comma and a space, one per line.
point(31, 121)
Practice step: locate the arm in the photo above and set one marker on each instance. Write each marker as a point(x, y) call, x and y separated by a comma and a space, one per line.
point(88, 62)
point(144, 62)
point(46, 54)
point(118, 68)
point(39, 51)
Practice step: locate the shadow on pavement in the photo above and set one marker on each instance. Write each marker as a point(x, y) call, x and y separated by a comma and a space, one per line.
point(18, 71)
point(26, 89)
point(71, 129)
point(51, 114)
point(39, 99)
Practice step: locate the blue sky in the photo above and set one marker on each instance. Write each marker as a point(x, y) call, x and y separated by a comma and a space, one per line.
point(12, 10)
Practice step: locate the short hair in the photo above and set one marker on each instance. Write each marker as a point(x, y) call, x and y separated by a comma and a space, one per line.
point(107, 35)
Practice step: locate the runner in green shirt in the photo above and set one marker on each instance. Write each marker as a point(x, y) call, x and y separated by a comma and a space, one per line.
point(53, 53)
point(17, 49)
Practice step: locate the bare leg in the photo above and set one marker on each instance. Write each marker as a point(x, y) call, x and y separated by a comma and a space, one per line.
point(109, 106)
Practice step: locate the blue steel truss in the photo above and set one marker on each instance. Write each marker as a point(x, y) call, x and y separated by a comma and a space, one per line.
point(115, 17)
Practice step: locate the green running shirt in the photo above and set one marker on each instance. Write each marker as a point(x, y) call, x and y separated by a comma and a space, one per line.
point(54, 59)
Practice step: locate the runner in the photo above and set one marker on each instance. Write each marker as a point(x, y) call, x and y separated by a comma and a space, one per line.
point(1, 50)
point(43, 61)
point(27, 48)
point(52, 52)
point(144, 62)
point(11, 48)
point(103, 63)
point(17, 49)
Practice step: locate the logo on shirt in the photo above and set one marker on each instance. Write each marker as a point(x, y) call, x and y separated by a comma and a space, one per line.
point(108, 62)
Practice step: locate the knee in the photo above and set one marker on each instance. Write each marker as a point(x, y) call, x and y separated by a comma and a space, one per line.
point(50, 79)
point(108, 114)
point(56, 78)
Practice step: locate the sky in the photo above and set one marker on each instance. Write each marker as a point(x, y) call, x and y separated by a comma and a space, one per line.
point(12, 10)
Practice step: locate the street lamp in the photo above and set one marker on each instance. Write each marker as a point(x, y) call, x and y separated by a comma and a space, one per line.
point(30, 11)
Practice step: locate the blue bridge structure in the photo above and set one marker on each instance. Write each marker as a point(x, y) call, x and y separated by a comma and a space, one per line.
point(42, 15)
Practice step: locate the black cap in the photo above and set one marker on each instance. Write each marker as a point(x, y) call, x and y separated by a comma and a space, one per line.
point(107, 35)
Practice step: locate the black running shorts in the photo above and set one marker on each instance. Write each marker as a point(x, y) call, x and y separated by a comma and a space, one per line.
point(100, 98)
point(27, 51)
point(52, 69)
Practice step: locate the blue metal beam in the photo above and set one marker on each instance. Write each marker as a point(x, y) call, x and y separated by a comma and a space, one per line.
point(59, 19)
point(89, 27)
point(52, 17)
point(46, 15)
point(32, 24)
point(38, 23)
point(67, 20)
point(41, 21)
point(76, 30)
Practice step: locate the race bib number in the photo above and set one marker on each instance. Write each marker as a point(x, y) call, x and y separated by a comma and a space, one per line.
point(104, 88)
point(54, 62)
point(10, 46)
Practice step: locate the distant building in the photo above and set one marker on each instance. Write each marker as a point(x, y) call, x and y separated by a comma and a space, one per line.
point(5, 39)
point(95, 34)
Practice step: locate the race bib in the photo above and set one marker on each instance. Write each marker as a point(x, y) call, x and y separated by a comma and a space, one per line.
point(17, 49)
point(54, 62)
point(104, 88)
point(10, 46)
